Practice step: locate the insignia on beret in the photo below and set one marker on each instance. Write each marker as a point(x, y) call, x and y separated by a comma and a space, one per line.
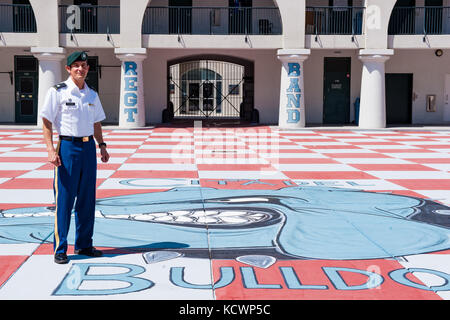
point(60, 85)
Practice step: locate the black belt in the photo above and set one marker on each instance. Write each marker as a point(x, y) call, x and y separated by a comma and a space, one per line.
point(78, 139)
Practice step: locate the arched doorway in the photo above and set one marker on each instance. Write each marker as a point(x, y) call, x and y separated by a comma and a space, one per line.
point(210, 87)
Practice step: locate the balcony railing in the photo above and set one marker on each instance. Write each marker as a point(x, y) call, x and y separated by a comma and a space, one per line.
point(17, 18)
point(419, 20)
point(89, 19)
point(334, 20)
point(212, 20)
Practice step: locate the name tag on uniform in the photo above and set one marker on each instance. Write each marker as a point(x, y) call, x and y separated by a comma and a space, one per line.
point(91, 105)
point(70, 104)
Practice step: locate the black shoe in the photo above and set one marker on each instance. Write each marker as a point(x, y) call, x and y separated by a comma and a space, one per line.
point(91, 252)
point(61, 258)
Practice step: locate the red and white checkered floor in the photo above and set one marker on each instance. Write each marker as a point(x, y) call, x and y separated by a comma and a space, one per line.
point(409, 162)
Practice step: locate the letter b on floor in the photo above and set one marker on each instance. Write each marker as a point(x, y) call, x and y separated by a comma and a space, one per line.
point(79, 274)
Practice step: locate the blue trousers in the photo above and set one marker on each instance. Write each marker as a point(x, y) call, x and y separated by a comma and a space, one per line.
point(75, 183)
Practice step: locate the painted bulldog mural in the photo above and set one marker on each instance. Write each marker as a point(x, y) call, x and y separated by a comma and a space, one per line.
point(289, 223)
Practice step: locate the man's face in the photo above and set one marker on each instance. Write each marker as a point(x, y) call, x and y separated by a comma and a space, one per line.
point(78, 70)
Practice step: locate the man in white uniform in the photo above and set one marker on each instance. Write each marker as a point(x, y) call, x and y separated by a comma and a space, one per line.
point(75, 112)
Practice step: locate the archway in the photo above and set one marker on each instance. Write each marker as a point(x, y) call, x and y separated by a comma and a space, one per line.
point(210, 87)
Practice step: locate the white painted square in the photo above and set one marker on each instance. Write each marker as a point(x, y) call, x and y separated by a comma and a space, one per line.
point(21, 249)
point(12, 166)
point(158, 166)
point(26, 196)
point(316, 167)
point(436, 262)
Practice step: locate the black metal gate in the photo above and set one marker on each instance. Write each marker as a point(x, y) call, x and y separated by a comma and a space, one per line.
point(206, 89)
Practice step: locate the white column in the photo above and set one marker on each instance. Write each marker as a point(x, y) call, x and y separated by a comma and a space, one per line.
point(132, 101)
point(292, 96)
point(50, 68)
point(372, 113)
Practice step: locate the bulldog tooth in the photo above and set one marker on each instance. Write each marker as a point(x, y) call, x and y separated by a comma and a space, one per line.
point(182, 219)
point(158, 214)
point(206, 220)
point(210, 212)
point(233, 220)
point(179, 213)
point(144, 217)
point(232, 213)
point(165, 218)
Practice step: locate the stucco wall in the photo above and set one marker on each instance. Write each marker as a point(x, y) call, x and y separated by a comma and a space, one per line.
point(428, 78)
point(7, 95)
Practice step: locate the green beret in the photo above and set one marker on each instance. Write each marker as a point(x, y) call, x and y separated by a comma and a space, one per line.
point(76, 56)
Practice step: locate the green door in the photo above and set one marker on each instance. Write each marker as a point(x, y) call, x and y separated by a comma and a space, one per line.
point(26, 89)
point(92, 77)
point(336, 96)
point(399, 98)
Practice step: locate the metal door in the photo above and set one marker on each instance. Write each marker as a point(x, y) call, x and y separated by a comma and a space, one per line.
point(336, 105)
point(399, 98)
point(92, 76)
point(26, 89)
point(446, 113)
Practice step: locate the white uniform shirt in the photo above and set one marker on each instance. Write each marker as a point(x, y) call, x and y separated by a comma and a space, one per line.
point(72, 111)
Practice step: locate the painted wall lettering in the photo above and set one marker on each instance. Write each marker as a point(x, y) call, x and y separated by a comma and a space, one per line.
point(293, 93)
point(130, 98)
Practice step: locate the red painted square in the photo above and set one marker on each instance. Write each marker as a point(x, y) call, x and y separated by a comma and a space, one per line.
point(28, 183)
point(357, 155)
point(328, 175)
point(423, 184)
point(107, 193)
point(24, 159)
point(9, 265)
point(11, 174)
point(431, 160)
point(391, 167)
point(311, 272)
point(235, 167)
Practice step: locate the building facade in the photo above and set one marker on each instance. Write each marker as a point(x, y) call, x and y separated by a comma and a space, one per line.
point(289, 63)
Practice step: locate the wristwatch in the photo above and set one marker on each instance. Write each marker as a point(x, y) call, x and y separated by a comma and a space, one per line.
point(102, 144)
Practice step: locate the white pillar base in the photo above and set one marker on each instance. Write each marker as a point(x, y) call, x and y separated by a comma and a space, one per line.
point(132, 101)
point(49, 72)
point(292, 96)
point(372, 113)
